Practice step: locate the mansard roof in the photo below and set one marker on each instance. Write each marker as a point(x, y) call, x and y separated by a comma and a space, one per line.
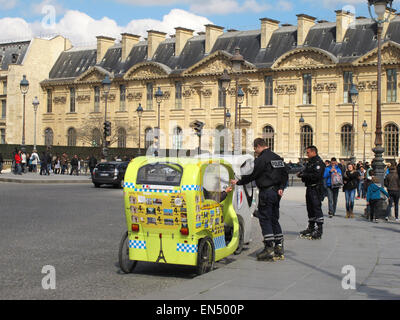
point(12, 53)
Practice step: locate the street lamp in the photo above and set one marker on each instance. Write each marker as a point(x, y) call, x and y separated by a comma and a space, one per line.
point(24, 86)
point(237, 61)
point(378, 165)
point(354, 97)
point(225, 80)
point(240, 97)
point(364, 127)
point(106, 83)
point(35, 104)
point(139, 111)
point(301, 122)
point(159, 96)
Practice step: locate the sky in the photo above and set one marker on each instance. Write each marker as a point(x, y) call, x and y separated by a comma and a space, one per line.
point(81, 21)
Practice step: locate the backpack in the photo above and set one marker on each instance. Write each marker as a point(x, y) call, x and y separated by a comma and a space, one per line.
point(336, 180)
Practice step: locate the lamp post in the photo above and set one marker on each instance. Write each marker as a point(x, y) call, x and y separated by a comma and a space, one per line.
point(159, 96)
point(240, 97)
point(35, 104)
point(237, 66)
point(24, 86)
point(301, 122)
point(106, 83)
point(364, 126)
point(354, 98)
point(378, 164)
point(139, 111)
point(225, 80)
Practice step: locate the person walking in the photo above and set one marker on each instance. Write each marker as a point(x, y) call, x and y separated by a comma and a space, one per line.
point(18, 159)
point(35, 160)
point(313, 178)
point(23, 162)
point(361, 178)
point(1, 162)
point(350, 180)
point(333, 172)
point(64, 163)
point(92, 164)
point(74, 165)
point(374, 197)
point(57, 166)
point(392, 183)
point(49, 163)
point(342, 166)
point(43, 164)
point(271, 176)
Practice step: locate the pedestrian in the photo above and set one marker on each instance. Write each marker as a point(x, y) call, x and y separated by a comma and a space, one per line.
point(392, 183)
point(74, 165)
point(35, 160)
point(43, 164)
point(360, 186)
point(374, 197)
point(92, 164)
point(271, 176)
point(18, 159)
point(1, 162)
point(64, 163)
point(350, 180)
point(57, 166)
point(333, 172)
point(342, 166)
point(49, 163)
point(23, 162)
point(313, 178)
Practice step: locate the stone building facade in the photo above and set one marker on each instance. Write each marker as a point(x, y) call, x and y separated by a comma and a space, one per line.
point(289, 72)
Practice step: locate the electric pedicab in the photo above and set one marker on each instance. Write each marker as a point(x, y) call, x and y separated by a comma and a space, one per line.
point(177, 212)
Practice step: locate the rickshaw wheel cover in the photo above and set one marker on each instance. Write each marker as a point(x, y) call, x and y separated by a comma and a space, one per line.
point(200, 268)
point(125, 267)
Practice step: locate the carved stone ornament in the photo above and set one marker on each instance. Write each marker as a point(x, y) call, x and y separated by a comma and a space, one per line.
point(373, 85)
point(166, 95)
point(292, 88)
point(83, 99)
point(319, 87)
point(304, 59)
point(187, 93)
point(390, 55)
point(60, 100)
point(145, 72)
point(331, 87)
point(214, 66)
point(362, 86)
point(111, 97)
point(254, 91)
point(207, 93)
point(134, 96)
point(286, 89)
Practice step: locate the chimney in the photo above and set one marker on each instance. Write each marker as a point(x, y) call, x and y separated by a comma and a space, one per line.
point(103, 44)
point(182, 35)
point(304, 24)
point(154, 39)
point(343, 21)
point(212, 34)
point(128, 41)
point(268, 26)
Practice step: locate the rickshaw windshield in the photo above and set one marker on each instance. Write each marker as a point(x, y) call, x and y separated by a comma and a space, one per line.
point(166, 174)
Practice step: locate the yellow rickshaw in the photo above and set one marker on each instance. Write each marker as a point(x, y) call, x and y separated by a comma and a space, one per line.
point(176, 213)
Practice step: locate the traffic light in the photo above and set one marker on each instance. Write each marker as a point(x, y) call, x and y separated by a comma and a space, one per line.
point(198, 127)
point(107, 128)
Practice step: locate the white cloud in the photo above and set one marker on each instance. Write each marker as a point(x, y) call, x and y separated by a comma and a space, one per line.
point(8, 4)
point(83, 29)
point(223, 7)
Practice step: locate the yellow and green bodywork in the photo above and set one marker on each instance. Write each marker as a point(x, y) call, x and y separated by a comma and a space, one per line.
point(160, 219)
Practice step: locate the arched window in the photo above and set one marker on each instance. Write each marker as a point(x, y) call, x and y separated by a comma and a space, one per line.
point(346, 140)
point(269, 136)
point(220, 140)
point(306, 138)
point(71, 137)
point(48, 137)
point(391, 140)
point(96, 137)
point(121, 138)
point(177, 138)
point(149, 137)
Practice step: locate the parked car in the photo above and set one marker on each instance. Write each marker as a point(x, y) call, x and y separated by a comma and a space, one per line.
point(111, 173)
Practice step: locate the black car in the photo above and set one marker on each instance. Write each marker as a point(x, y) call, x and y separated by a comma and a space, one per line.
point(112, 173)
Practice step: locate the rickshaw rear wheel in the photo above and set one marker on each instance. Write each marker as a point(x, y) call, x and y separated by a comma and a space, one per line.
point(205, 256)
point(125, 264)
point(241, 237)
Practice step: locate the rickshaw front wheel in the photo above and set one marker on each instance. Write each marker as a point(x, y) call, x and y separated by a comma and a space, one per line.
point(205, 256)
point(125, 264)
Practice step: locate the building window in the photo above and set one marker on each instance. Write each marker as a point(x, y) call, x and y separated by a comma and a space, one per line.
point(346, 140)
point(49, 101)
point(4, 87)
point(122, 97)
point(347, 81)
point(269, 137)
point(96, 99)
point(71, 137)
point(391, 85)
point(149, 104)
point(391, 140)
point(149, 137)
point(14, 58)
point(3, 136)
point(72, 100)
point(177, 138)
point(96, 137)
point(3, 109)
point(221, 95)
point(269, 86)
point(178, 95)
point(121, 138)
point(306, 138)
point(48, 137)
point(307, 90)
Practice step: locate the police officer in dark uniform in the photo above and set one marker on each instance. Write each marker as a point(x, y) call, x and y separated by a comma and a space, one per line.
point(271, 176)
point(313, 177)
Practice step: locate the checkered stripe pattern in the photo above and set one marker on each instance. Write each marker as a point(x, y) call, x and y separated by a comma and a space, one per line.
point(132, 186)
point(137, 244)
point(191, 187)
point(129, 185)
point(219, 242)
point(188, 248)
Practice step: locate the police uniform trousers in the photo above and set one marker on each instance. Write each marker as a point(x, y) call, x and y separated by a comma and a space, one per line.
point(313, 200)
point(268, 208)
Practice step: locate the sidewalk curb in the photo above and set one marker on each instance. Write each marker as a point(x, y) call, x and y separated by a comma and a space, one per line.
point(12, 180)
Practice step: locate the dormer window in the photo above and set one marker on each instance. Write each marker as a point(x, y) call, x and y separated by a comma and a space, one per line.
point(14, 58)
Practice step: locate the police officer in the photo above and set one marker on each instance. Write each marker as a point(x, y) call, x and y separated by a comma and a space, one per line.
point(271, 177)
point(313, 176)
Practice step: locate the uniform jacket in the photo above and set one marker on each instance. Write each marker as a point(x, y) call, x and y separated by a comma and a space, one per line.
point(264, 174)
point(327, 174)
point(374, 192)
point(313, 173)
